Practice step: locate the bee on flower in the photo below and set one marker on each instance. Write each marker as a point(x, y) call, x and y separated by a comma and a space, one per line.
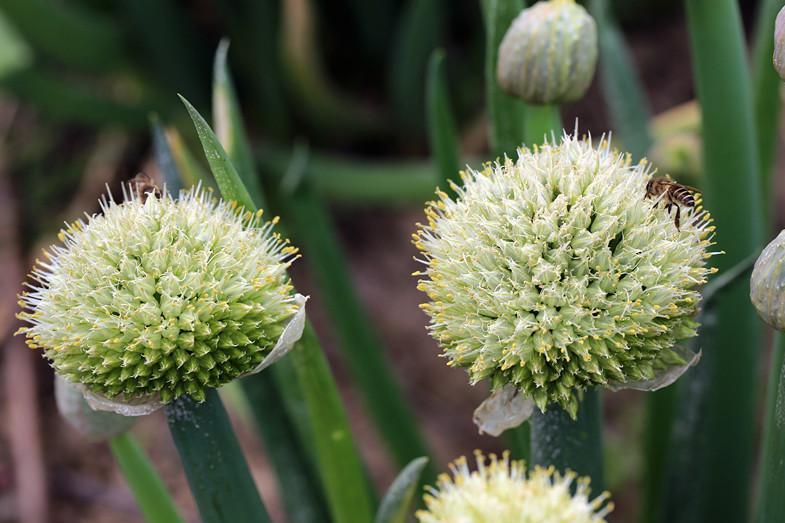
point(557, 272)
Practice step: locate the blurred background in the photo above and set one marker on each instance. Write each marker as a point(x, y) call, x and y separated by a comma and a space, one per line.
point(79, 81)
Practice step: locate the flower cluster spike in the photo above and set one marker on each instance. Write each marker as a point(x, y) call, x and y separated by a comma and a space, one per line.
point(555, 272)
point(160, 297)
point(501, 491)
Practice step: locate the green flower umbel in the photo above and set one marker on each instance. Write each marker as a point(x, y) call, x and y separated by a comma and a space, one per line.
point(555, 272)
point(504, 492)
point(156, 299)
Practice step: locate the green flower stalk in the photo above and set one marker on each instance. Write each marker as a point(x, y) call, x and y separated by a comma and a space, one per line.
point(157, 298)
point(549, 53)
point(557, 272)
point(501, 491)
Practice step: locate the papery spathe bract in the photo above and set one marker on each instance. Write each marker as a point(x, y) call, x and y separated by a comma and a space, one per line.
point(501, 491)
point(555, 273)
point(158, 297)
point(95, 425)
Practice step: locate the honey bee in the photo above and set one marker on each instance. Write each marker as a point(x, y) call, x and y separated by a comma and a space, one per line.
point(142, 185)
point(675, 196)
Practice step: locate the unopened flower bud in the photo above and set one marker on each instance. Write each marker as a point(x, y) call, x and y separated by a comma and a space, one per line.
point(549, 53)
point(779, 44)
point(767, 285)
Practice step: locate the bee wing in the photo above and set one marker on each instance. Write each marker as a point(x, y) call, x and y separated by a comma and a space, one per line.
point(691, 188)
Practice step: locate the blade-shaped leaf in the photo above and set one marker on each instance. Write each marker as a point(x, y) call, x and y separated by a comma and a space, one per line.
point(15, 53)
point(191, 171)
point(164, 159)
point(340, 466)
point(225, 174)
point(441, 125)
point(151, 495)
point(229, 126)
point(397, 502)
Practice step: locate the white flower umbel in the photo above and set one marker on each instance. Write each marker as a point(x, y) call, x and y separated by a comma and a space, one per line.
point(500, 491)
point(160, 298)
point(555, 272)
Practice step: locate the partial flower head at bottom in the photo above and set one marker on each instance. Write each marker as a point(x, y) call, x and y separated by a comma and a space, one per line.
point(501, 491)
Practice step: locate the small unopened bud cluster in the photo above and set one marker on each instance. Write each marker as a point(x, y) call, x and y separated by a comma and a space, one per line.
point(161, 297)
point(555, 272)
point(501, 491)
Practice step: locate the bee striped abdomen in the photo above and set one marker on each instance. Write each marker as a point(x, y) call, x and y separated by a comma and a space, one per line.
point(674, 195)
point(682, 195)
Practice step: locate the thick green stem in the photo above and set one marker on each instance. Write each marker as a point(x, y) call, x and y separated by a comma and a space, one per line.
point(220, 481)
point(151, 496)
point(623, 93)
point(733, 196)
point(771, 505)
point(341, 180)
point(660, 408)
point(766, 89)
point(543, 124)
point(298, 484)
point(325, 422)
point(339, 463)
point(566, 444)
point(505, 113)
point(418, 32)
point(442, 137)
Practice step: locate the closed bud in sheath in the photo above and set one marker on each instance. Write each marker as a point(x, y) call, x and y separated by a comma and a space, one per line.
point(779, 44)
point(767, 286)
point(549, 53)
